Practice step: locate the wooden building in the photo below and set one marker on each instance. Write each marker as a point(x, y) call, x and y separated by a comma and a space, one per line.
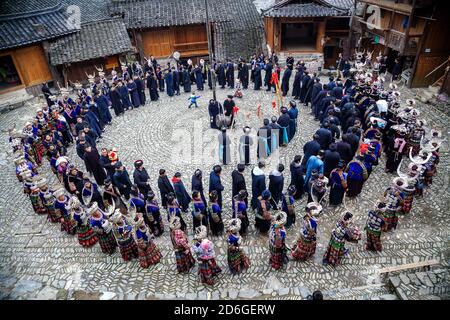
point(415, 31)
point(302, 27)
point(161, 27)
point(99, 43)
point(25, 29)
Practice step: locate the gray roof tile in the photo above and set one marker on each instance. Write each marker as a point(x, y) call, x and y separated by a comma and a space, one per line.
point(36, 21)
point(300, 10)
point(96, 39)
point(164, 13)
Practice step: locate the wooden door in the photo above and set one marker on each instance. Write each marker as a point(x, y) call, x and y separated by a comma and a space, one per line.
point(158, 43)
point(33, 65)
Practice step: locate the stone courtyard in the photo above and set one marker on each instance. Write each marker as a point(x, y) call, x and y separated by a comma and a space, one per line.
point(38, 261)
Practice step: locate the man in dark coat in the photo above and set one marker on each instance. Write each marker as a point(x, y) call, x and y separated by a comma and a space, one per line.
point(141, 178)
point(258, 183)
point(92, 160)
point(228, 106)
point(116, 101)
point(316, 88)
point(331, 159)
point(296, 87)
point(176, 81)
point(238, 180)
point(268, 75)
point(186, 81)
point(197, 184)
point(276, 183)
point(230, 74)
point(325, 138)
point(182, 195)
point(221, 78)
point(345, 149)
point(168, 78)
point(121, 180)
point(103, 108)
point(214, 110)
point(105, 162)
point(297, 176)
point(285, 82)
point(224, 147)
point(47, 93)
point(134, 94)
point(264, 140)
point(199, 78)
point(141, 89)
point(243, 75)
point(215, 183)
point(316, 103)
point(311, 148)
point(304, 85)
point(353, 140)
point(257, 77)
point(283, 120)
point(164, 186)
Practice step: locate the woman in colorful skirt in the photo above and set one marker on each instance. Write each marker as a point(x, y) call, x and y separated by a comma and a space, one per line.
point(152, 215)
point(410, 189)
point(54, 216)
point(36, 201)
point(86, 235)
point(373, 228)
point(198, 209)
point(183, 255)
point(338, 182)
point(149, 254)
point(393, 199)
point(240, 211)
point(173, 210)
point(288, 205)
point(336, 247)
point(102, 227)
point(277, 240)
point(62, 208)
point(204, 249)
point(237, 259)
point(215, 214)
point(123, 233)
point(306, 243)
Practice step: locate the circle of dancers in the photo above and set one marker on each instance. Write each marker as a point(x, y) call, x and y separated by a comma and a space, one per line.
point(118, 213)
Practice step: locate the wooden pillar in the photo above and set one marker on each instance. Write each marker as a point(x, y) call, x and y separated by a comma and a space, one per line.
point(269, 32)
point(320, 36)
point(277, 35)
point(139, 45)
point(55, 74)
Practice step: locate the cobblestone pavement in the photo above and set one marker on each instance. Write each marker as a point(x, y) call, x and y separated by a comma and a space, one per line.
point(38, 261)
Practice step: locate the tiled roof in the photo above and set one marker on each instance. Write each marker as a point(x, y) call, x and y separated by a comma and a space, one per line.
point(340, 4)
point(241, 36)
point(96, 39)
point(26, 22)
point(90, 10)
point(300, 10)
point(164, 13)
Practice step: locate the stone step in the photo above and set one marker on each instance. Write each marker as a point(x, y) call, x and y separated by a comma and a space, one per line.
point(431, 284)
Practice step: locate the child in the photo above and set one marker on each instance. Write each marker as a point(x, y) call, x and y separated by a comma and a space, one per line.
point(193, 99)
point(238, 92)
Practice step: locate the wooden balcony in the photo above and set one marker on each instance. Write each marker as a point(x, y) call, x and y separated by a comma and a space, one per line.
point(395, 40)
point(192, 48)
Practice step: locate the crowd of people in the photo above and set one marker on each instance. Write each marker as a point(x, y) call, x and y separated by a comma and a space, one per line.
point(102, 204)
